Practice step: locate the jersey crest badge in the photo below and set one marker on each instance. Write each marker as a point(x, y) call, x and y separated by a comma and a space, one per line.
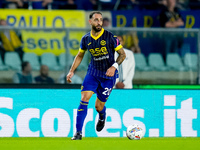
point(103, 42)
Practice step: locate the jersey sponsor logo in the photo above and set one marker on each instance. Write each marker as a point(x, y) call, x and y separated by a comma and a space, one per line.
point(101, 58)
point(103, 42)
point(98, 51)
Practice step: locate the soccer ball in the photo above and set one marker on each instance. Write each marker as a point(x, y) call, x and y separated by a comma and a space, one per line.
point(134, 132)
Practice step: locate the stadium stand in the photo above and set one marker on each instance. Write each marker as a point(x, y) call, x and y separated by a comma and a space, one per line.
point(174, 62)
point(33, 59)
point(50, 60)
point(12, 60)
point(2, 66)
point(65, 60)
point(191, 61)
point(147, 65)
point(97, 4)
point(156, 61)
point(140, 62)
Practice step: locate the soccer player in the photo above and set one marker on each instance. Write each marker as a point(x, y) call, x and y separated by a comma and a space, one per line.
point(102, 71)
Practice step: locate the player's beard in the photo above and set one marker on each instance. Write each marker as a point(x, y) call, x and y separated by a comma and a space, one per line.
point(97, 28)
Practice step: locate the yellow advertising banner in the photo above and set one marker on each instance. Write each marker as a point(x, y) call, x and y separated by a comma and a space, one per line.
point(43, 18)
point(51, 41)
point(41, 41)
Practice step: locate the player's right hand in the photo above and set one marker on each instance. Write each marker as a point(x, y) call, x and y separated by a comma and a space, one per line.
point(111, 71)
point(69, 76)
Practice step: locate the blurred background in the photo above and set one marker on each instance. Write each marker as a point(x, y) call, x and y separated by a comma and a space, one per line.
point(40, 38)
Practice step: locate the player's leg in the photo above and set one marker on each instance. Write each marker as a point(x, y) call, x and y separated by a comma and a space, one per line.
point(103, 92)
point(88, 88)
point(101, 109)
point(81, 114)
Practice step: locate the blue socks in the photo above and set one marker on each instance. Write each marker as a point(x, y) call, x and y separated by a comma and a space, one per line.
point(81, 114)
point(102, 114)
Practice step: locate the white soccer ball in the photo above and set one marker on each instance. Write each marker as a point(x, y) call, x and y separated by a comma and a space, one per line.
point(134, 132)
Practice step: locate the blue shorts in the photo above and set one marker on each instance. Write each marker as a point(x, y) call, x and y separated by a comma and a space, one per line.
point(101, 86)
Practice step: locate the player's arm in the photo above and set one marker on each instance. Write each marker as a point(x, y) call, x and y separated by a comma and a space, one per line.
point(122, 55)
point(76, 63)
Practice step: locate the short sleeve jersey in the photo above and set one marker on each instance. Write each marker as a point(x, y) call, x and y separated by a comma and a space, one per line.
point(102, 49)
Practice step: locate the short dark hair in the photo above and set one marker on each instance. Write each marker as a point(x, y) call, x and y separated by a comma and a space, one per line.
point(94, 12)
point(24, 64)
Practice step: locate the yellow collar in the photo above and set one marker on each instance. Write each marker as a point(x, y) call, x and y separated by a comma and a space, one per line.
point(96, 37)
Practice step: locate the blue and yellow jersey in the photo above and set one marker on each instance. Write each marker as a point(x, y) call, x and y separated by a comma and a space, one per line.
point(102, 49)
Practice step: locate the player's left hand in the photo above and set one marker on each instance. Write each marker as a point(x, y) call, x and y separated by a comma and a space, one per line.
point(111, 71)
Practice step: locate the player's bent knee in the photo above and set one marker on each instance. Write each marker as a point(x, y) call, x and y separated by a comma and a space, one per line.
point(99, 107)
point(85, 96)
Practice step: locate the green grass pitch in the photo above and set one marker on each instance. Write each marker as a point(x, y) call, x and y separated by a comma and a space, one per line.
point(99, 144)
